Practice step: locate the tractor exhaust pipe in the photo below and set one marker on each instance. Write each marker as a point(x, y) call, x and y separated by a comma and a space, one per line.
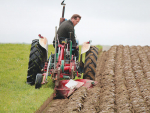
point(63, 11)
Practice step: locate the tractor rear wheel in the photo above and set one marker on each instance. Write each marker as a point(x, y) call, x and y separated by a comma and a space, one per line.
point(90, 63)
point(36, 61)
point(93, 50)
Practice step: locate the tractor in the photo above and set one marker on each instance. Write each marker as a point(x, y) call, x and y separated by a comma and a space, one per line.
point(62, 66)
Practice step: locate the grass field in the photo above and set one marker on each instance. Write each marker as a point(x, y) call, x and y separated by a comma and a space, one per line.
point(16, 96)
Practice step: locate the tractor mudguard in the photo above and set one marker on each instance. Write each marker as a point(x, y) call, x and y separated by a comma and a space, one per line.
point(85, 47)
point(44, 43)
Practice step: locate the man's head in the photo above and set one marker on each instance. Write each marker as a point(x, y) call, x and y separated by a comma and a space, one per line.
point(75, 19)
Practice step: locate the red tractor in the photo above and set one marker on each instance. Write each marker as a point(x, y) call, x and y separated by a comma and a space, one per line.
point(61, 66)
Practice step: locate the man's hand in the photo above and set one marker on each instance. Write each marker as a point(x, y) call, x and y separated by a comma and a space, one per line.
point(61, 20)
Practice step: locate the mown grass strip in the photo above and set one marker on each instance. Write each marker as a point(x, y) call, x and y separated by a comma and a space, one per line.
point(16, 95)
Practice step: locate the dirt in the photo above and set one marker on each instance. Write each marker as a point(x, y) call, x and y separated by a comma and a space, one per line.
point(123, 76)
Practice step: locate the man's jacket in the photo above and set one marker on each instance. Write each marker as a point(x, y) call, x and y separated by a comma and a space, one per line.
point(64, 31)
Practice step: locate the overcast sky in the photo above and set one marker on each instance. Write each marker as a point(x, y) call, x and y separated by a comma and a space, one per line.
point(105, 22)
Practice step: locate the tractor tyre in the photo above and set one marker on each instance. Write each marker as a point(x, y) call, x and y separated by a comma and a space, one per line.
point(37, 58)
point(38, 81)
point(93, 50)
point(90, 63)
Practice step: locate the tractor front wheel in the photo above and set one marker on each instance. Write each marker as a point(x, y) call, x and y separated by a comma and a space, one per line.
point(38, 80)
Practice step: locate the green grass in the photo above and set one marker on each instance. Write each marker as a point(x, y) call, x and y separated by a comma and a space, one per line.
point(16, 96)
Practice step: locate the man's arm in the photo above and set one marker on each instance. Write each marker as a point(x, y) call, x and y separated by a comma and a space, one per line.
point(71, 30)
point(61, 20)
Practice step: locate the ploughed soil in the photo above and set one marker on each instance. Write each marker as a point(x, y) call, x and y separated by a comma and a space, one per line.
point(123, 76)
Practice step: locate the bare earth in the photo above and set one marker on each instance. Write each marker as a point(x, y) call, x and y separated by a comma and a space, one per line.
point(123, 75)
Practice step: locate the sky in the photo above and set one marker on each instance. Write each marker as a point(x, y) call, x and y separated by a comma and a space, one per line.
point(105, 22)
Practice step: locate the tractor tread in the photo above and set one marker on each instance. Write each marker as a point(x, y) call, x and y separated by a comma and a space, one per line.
point(92, 48)
point(90, 63)
point(91, 60)
point(93, 52)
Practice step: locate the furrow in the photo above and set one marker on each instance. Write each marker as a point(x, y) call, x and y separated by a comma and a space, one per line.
point(144, 63)
point(122, 98)
point(135, 97)
point(107, 94)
